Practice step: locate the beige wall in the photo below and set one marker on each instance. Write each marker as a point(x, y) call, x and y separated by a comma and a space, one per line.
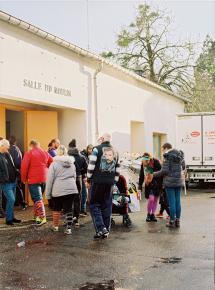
point(121, 102)
point(121, 99)
point(27, 57)
point(72, 124)
point(137, 137)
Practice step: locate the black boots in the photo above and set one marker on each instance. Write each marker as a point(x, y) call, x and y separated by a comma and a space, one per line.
point(148, 218)
point(177, 223)
point(151, 218)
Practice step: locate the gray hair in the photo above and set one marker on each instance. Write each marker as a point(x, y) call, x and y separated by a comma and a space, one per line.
point(61, 150)
point(106, 137)
point(4, 143)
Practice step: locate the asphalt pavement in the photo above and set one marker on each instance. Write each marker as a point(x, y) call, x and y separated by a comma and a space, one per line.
point(147, 256)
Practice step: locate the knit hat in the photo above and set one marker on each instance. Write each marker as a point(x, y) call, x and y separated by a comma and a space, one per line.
point(146, 156)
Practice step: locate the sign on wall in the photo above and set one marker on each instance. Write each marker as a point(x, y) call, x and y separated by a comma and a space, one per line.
point(36, 85)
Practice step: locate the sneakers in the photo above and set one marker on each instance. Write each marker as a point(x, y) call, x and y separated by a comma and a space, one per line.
point(102, 234)
point(68, 231)
point(16, 221)
point(40, 221)
point(171, 224)
point(148, 218)
point(9, 223)
point(24, 206)
point(177, 223)
point(75, 222)
point(83, 214)
point(159, 215)
point(105, 233)
point(55, 229)
point(153, 218)
point(98, 236)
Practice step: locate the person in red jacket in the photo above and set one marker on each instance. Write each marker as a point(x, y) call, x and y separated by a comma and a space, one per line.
point(34, 170)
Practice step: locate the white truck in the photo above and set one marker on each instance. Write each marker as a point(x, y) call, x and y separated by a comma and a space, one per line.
point(196, 138)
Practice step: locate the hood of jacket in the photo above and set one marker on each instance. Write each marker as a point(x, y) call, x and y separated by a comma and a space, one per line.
point(73, 151)
point(174, 155)
point(65, 161)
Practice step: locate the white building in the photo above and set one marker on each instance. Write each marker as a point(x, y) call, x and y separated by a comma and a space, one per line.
point(50, 87)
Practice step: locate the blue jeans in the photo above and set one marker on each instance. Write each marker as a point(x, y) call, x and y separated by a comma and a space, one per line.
point(101, 206)
point(1, 208)
point(83, 197)
point(174, 199)
point(36, 191)
point(9, 190)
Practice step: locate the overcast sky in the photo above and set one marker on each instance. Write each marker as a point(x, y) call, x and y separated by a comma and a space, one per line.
point(68, 19)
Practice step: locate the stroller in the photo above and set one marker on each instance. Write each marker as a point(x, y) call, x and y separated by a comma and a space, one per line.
point(120, 202)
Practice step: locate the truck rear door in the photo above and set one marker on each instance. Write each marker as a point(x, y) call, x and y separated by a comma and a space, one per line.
point(189, 138)
point(209, 140)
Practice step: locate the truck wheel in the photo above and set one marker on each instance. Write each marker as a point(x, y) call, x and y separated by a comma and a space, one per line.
point(201, 182)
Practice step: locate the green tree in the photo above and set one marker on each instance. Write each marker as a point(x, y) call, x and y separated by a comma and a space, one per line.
point(203, 97)
point(145, 48)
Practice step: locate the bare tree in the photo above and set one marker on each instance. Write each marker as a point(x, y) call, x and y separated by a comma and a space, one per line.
point(145, 48)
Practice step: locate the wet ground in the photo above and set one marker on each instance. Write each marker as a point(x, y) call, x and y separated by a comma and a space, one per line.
point(147, 256)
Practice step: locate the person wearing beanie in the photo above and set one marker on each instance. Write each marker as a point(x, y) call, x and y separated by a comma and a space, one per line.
point(153, 187)
point(81, 171)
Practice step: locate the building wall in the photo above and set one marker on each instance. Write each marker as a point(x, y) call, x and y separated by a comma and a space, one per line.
point(72, 124)
point(122, 103)
point(27, 60)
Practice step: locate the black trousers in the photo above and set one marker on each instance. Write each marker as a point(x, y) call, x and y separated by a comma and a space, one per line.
point(65, 203)
point(164, 205)
point(20, 199)
point(77, 200)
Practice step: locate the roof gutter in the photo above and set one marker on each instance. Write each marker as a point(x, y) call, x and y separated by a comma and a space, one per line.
point(95, 89)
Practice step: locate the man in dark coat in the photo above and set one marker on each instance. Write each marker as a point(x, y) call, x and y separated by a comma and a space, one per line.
point(81, 171)
point(8, 178)
point(16, 155)
point(103, 172)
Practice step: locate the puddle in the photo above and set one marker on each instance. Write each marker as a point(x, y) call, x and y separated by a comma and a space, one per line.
point(107, 285)
point(154, 231)
point(38, 242)
point(171, 260)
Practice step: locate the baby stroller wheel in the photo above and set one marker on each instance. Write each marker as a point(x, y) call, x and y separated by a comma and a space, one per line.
point(113, 222)
point(127, 221)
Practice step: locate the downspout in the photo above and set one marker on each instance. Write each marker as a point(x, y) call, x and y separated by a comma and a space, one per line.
point(98, 70)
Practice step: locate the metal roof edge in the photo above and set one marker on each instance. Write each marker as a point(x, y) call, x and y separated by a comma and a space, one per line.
point(196, 114)
point(81, 51)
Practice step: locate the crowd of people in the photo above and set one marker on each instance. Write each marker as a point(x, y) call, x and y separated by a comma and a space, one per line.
point(69, 178)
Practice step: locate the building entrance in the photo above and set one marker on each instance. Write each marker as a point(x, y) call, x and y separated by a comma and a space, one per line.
point(15, 127)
